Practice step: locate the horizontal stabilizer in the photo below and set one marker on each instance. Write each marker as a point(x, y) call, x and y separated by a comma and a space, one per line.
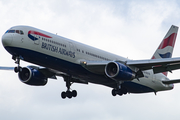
point(171, 81)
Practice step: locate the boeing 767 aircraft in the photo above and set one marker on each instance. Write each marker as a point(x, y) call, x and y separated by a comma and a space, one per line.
point(79, 63)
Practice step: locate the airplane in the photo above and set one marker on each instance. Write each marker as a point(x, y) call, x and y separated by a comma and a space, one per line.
point(54, 56)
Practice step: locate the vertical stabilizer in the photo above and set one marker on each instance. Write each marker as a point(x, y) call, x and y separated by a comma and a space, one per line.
point(166, 47)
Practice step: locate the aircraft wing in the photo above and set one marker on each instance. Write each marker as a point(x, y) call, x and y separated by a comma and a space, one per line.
point(158, 65)
point(98, 67)
point(43, 70)
point(6, 68)
point(49, 73)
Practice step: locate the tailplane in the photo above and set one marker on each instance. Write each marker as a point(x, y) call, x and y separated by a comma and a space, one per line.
point(166, 47)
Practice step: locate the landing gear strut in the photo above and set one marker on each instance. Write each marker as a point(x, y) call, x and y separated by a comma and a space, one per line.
point(68, 93)
point(17, 61)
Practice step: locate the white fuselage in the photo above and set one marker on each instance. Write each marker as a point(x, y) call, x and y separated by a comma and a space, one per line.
point(62, 54)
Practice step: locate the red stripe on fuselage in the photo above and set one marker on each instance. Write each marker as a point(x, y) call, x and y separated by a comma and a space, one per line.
point(38, 33)
point(169, 41)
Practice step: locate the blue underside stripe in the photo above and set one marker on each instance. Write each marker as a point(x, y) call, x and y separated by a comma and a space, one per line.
point(73, 69)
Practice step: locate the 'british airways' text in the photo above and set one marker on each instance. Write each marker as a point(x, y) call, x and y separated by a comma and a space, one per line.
point(58, 50)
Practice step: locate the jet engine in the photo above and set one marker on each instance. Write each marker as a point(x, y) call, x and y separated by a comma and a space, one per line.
point(119, 71)
point(32, 76)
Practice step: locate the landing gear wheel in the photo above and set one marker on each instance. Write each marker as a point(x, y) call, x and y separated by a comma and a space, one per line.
point(114, 92)
point(120, 92)
point(63, 95)
point(74, 93)
point(69, 94)
point(16, 70)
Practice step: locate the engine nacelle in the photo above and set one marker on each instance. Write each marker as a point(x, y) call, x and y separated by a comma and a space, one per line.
point(119, 71)
point(32, 76)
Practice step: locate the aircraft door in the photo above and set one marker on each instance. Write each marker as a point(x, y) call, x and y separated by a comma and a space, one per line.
point(153, 77)
point(72, 50)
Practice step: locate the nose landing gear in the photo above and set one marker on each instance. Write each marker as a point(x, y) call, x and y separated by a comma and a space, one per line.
point(17, 61)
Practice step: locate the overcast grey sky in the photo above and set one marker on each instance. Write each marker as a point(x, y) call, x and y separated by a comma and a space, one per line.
point(132, 29)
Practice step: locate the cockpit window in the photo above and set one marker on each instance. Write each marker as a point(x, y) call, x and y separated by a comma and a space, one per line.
point(21, 32)
point(15, 31)
point(11, 31)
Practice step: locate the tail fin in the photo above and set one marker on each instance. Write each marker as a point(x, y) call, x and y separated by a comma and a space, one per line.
point(166, 47)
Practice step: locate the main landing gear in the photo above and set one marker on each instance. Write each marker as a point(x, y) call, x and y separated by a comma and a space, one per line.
point(119, 90)
point(68, 93)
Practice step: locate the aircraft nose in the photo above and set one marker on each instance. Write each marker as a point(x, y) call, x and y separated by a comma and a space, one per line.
point(7, 39)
